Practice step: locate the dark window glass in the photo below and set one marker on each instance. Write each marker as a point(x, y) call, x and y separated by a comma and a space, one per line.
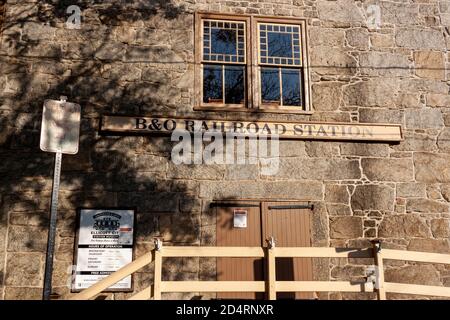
point(280, 44)
point(270, 85)
point(292, 95)
point(223, 41)
point(234, 84)
point(212, 84)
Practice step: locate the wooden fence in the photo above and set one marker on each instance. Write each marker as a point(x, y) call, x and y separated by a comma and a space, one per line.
point(271, 286)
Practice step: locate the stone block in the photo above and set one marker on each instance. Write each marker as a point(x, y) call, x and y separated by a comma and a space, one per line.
point(440, 228)
point(411, 190)
point(180, 228)
point(375, 197)
point(372, 93)
point(23, 293)
point(161, 202)
point(348, 273)
point(420, 39)
point(27, 239)
point(321, 149)
point(337, 209)
point(403, 226)
point(415, 85)
point(24, 269)
point(336, 194)
point(416, 141)
point(364, 149)
point(319, 168)
point(438, 100)
point(301, 190)
point(429, 64)
point(327, 96)
point(430, 245)
point(432, 168)
point(358, 38)
point(426, 206)
point(242, 172)
point(445, 191)
point(419, 274)
point(346, 227)
point(380, 40)
point(443, 141)
point(384, 64)
point(338, 63)
point(345, 11)
point(423, 119)
point(319, 36)
point(399, 13)
point(203, 172)
point(388, 169)
point(292, 148)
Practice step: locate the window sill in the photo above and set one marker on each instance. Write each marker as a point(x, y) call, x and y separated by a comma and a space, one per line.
point(253, 110)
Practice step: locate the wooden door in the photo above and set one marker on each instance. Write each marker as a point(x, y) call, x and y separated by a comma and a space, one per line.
point(289, 223)
point(239, 269)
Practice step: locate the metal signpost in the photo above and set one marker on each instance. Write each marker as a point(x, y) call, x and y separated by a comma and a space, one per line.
point(60, 133)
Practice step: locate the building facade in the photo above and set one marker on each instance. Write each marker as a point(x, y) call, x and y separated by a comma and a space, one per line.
point(260, 61)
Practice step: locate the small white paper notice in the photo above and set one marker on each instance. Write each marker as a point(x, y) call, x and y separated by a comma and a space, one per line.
point(240, 218)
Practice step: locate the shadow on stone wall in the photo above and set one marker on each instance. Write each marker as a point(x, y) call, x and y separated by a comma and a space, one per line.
point(109, 65)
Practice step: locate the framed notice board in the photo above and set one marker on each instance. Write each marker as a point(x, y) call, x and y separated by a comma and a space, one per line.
point(104, 244)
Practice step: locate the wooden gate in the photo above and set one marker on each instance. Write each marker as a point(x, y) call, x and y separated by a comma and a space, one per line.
point(287, 222)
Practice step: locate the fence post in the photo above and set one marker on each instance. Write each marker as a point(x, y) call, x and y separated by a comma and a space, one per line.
point(271, 270)
point(158, 270)
point(379, 272)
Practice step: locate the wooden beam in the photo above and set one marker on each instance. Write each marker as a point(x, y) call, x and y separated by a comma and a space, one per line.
point(158, 275)
point(416, 256)
point(322, 286)
point(185, 251)
point(417, 289)
point(322, 252)
point(145, 294)
point(115, 277)
point(212, 286)
point(271, 274)
point(379, 272)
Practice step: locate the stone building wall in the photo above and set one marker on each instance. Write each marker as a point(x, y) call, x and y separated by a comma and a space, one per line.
point(137, 57)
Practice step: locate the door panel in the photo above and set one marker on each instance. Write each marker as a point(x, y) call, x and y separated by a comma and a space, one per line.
point(239, 269)
point(287, 222)
point(290, 226)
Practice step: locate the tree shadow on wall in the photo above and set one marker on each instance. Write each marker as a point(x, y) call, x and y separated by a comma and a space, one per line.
point(129, 57)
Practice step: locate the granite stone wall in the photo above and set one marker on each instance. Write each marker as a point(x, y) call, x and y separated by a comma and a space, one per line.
point(137, 57)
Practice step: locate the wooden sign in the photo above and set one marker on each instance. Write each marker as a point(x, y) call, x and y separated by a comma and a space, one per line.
point(285, 130)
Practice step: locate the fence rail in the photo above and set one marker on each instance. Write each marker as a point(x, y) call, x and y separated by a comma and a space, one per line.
point(271, 286)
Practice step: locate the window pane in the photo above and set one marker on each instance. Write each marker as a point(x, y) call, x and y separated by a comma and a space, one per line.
point(234, 84)
point(291, 87)
point(223, 41)
point(212, 84)
point(270, 85)
point(280, 44)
